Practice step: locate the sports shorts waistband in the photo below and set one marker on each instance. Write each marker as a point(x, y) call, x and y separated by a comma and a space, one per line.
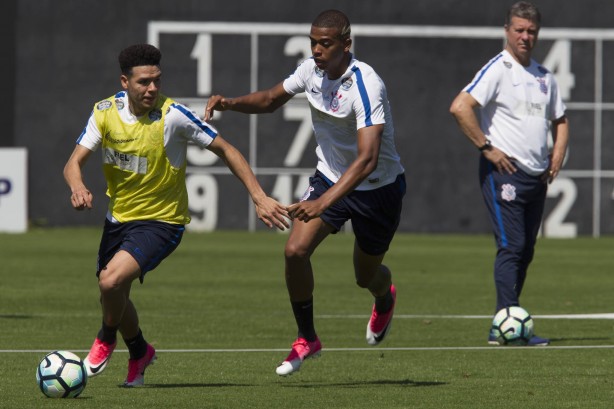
point(324, 178)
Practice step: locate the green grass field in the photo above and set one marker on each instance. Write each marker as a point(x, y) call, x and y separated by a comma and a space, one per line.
point(217, 311)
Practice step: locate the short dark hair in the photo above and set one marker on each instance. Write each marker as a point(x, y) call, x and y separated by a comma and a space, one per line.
point(526, 10)
point(334, 19)
point(137, 55)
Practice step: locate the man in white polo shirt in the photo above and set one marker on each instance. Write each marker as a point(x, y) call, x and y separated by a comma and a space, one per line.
point(519, 104)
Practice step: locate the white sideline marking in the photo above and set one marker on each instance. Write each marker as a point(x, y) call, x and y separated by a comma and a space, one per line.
point(602, 316)
point(372, 349)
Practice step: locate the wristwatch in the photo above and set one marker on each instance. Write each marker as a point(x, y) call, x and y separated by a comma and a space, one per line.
point(487, 145)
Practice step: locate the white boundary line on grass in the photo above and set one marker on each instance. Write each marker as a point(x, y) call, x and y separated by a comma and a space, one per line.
point(223, 350)
point(601, 316)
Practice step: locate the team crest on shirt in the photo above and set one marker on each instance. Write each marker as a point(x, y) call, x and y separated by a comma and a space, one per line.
point(102, 105)
point(507, 64)
point(334, 102)
point(307, 193)
point(542, 85)
point(155, 114)
point(347, 83)
point(508, 192)
point(119, 104)
point(319, 72)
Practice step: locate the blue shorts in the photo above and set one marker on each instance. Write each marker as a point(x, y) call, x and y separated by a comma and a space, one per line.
point(375, 214)
point(149, 242)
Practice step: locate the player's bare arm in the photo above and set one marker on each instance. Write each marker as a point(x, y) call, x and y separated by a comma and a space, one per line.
point(271, 212)
point(560, 135)
point(463, 109)
point(80, 198)
point(369, 140)
point(258, 102)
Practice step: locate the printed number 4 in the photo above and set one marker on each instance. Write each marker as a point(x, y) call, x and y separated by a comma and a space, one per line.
point(559, 62)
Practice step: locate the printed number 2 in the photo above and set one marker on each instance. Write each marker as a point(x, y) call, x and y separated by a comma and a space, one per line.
point(554, 224)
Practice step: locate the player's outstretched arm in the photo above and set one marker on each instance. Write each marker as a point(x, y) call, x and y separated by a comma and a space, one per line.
point(270, 211)
point(258, 102)
point(80, 198)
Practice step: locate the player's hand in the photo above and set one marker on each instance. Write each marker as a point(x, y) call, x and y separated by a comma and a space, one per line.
point(81, 199)
point(500, 160)
point(550, 174)
point(272, 213)
point(215, 103)
point(556, 162)
point(306, 210)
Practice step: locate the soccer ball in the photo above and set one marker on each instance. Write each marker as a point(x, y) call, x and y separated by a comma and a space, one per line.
point(512, 326)
point(61, 374)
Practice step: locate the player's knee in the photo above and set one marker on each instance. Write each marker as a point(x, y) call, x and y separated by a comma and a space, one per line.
point(107, 284)
point(109, 281)
point(294, 252)
point(362, 282)
point(377, 282)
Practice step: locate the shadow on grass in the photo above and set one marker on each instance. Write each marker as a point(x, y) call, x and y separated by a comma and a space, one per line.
point(580, 339)
point(358, 384)
point(186, 385)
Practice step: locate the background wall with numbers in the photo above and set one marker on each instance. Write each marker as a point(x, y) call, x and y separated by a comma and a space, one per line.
point(65, 59)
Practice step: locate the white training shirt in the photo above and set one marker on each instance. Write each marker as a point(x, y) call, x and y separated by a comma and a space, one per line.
point(517, 106)
point(338, 109)
point(180, 126)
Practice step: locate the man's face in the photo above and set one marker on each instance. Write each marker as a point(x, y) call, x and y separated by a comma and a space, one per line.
point(328, 49)
point(521, 37)
point(143, 86)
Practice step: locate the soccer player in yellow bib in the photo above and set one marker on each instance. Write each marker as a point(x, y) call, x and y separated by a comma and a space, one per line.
point(144, 136)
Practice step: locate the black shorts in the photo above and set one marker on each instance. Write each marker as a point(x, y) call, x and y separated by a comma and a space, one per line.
point(149, 242)
point(375, 214)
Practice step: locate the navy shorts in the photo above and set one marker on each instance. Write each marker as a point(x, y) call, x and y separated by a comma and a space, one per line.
point(375, 214)
point(149, 242)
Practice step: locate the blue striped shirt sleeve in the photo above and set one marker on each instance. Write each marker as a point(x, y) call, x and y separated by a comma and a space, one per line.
point(364, 96)
point(480, 75)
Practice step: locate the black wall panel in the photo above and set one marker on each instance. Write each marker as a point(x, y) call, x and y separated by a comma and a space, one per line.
point(426, 51)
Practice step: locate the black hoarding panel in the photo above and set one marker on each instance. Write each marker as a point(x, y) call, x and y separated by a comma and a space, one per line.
point(425, 51)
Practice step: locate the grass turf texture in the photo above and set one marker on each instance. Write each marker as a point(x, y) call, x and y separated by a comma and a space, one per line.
point(223, 293)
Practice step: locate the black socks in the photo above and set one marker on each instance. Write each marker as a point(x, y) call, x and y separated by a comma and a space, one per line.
point(137, 346)
point(107, 334)
point(303, 313)
point(384, 303)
